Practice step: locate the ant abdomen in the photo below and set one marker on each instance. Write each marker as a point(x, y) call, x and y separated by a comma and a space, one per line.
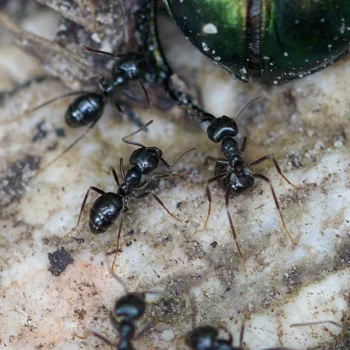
point(84, 110)
point(105, 211)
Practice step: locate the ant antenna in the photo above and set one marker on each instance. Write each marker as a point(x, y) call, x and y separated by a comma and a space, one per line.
point(248, 105)
point(181, 156)
point(126, 31)
point(125, 138)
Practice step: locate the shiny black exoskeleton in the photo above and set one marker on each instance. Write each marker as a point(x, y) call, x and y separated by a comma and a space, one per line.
point(109, 206)
point(207, 338)
point(232, 172)
point(88, 107)
point(127, 310)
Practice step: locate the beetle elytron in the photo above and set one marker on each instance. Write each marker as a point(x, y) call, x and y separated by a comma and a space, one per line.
point(276, 40)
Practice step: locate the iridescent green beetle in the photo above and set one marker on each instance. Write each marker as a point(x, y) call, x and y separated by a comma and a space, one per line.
point(276, 40)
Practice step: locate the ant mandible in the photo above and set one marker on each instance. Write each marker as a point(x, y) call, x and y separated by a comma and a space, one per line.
point(109, 206)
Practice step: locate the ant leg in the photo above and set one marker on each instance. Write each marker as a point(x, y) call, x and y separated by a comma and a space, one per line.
point(55, 99)
point(145, 182)
point(213, 179)
point(91, 188)
point(122, 171)
point(145, 194)
point(120, 282)
point(244, 143)
point(115, 175)
point(278, 349)
point(31, 110)
point(125, 138)
point(88, 129)
point(122, 10)
point(241, 335)
point(165, 208)
point(117, 249)
point(233, 229)
point(114, 321)
point(194, 311)
point(98, 335)
point(230, 337)
point(145, 328)
point(316, 323)
point(129, 113)
point(256, 162)
point(215, 160)
point(259, 176)
point(91, 49)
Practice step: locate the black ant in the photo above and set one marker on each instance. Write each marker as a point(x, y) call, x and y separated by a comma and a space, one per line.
point(108, 207)
point(233, 173)
point(87, 109)
point(207, 338)
point(127, 310)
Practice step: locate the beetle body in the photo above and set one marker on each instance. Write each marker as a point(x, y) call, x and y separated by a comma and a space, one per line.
point(276, 40)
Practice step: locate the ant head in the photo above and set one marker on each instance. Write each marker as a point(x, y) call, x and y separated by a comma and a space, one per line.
point(130, 307)
point(133, 65)
point(222, 127)
point(202, 338)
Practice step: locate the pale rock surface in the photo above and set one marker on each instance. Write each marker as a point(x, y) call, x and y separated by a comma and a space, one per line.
point(305, 124)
